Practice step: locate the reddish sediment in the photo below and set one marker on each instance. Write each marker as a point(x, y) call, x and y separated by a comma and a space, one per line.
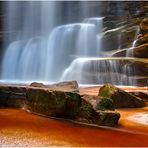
point(20, 128)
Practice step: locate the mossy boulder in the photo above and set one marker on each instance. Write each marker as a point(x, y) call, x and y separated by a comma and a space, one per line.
point(66, 105)
point(105, 104)
point(53, 103)
point(86, 113)
point(120, 98)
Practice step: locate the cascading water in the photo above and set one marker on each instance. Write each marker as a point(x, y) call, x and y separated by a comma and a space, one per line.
point(37, 56)
point(45, 50)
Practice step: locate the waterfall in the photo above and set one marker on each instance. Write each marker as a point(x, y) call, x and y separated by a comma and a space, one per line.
point(42, 50)
point(49, 43)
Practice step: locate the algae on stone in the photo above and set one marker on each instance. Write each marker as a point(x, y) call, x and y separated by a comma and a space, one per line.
point(66, 105)
point(120, 97)
point(105, 104)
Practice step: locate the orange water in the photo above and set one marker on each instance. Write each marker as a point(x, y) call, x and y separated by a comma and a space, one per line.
point(19, 128)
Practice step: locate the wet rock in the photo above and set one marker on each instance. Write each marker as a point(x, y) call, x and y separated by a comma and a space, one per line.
point(138, 52)
point(140, 81)
point(12, 97)
point(53, 103)
point(142, 40)
point(86, 113)
point(120, 53)
point(142, 95)
point(71, 86)
point(36, 84)
point(105, 104)
point(141, 51)
point(108, 118)
point(118, 38)
point(66, 105)
point(120, 98)
point(92, 99)
point(144, 26)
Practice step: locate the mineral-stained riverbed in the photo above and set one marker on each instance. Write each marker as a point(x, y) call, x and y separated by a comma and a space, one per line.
point(20, 128)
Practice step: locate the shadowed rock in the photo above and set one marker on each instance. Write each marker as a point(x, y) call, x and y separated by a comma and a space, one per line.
point(141, 51)
point(142, 40)
point(144, 26)
point(67, 105)
point(120, 97)
point(12, 97)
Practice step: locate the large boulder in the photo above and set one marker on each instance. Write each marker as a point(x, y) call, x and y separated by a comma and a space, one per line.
point(66, 105)
point(120, 98)
point(53, 103)
point(105, 104)
point(136, 68)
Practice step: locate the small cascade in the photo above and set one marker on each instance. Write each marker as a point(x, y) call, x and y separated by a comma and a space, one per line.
point(95, 71)
point(129, 52)
point(46, 58)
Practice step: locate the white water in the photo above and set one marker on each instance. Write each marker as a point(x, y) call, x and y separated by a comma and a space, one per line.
point(46, 52)
point(43, 56)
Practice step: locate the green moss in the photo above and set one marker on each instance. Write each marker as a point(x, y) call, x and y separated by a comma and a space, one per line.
point(107, 90)
point(86, 110)
point(105, 104)
point(55, 103)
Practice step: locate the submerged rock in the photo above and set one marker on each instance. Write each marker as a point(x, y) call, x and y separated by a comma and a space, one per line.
point(67, 105)
point(120, 97)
